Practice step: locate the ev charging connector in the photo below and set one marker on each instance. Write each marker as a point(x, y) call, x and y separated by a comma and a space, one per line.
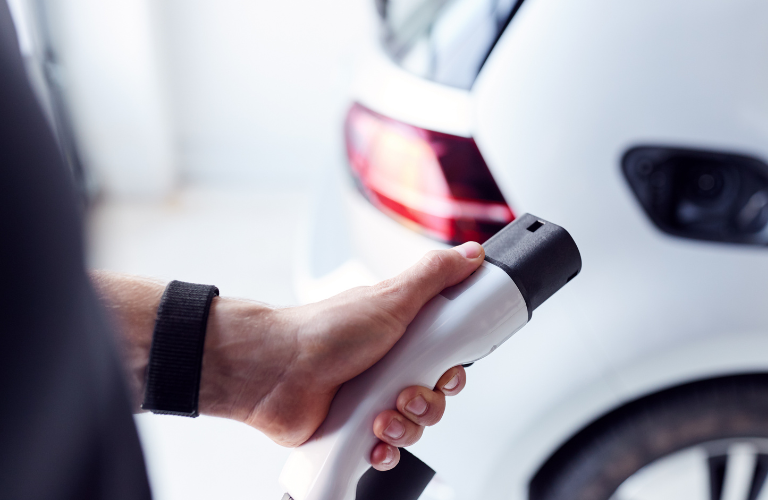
point(525, 264)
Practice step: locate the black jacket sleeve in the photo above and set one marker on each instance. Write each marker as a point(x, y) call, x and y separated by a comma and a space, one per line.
point(66, 430)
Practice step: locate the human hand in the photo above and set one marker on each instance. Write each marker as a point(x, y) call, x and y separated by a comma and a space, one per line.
point(279, 369)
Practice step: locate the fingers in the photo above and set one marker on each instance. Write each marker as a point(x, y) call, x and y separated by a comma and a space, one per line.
point(384, 456)
point(416, 407)
point(421, 405)
point(437, 270)
point(395, 429)
point(452, 381)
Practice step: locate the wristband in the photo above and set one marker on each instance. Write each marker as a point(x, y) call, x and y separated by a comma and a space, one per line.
point(176, 355)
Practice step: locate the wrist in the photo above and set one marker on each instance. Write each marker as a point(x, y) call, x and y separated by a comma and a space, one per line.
point(244, 359)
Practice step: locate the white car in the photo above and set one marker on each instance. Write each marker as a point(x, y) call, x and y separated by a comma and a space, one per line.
point(640, 126)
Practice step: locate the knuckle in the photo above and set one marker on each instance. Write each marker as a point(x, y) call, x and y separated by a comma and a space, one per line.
point(388, 308)
point(434, 261)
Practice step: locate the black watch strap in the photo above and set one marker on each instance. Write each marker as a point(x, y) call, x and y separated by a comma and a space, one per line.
point(176, 355)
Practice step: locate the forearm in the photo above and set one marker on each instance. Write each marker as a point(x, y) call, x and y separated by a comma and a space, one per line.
point(131, 302)
point(236, 337)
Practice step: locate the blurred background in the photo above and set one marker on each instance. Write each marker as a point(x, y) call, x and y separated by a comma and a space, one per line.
point(285, 151)
point(163, 94)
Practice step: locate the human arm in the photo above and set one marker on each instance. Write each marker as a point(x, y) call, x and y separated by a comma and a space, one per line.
point(277, 369)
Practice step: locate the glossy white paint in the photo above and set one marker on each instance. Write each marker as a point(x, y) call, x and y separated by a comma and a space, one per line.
point(554, 115)
point(569, 88)
point(461, 325)
point(382, 85)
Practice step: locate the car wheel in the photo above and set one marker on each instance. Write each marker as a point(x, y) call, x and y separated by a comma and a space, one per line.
point(701, 441)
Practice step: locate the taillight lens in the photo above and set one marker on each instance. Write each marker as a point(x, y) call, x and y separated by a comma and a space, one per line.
point(436, 183)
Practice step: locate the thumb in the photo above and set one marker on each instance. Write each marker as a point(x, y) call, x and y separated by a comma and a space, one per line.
point(407, 293)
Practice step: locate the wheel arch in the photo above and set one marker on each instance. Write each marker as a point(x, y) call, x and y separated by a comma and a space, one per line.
point(560, 458)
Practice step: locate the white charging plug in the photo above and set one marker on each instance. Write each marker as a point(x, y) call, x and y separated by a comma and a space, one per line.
point(526, 262)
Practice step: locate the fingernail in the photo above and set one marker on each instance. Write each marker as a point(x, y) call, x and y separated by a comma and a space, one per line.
point(395, 429)
point(390, 456)
point(452, 384)
point(417, 406)
point(470, 249)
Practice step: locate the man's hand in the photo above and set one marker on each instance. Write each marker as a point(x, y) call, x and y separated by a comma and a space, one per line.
point(278, 369)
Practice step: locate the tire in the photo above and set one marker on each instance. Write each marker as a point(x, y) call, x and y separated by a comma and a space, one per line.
point(711, 418)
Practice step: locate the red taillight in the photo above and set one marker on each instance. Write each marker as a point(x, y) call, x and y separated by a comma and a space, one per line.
point(436, 183)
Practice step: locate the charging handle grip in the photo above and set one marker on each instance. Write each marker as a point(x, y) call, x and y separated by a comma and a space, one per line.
point(460, 325)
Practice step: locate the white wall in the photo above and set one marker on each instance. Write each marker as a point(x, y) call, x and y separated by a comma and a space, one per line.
point(223, 91)
point(260, 87)
point(116, 93)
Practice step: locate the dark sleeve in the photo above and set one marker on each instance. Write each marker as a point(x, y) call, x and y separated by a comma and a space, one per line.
point(66, 430)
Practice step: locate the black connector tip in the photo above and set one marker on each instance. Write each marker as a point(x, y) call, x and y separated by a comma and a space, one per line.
point(539, 256)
